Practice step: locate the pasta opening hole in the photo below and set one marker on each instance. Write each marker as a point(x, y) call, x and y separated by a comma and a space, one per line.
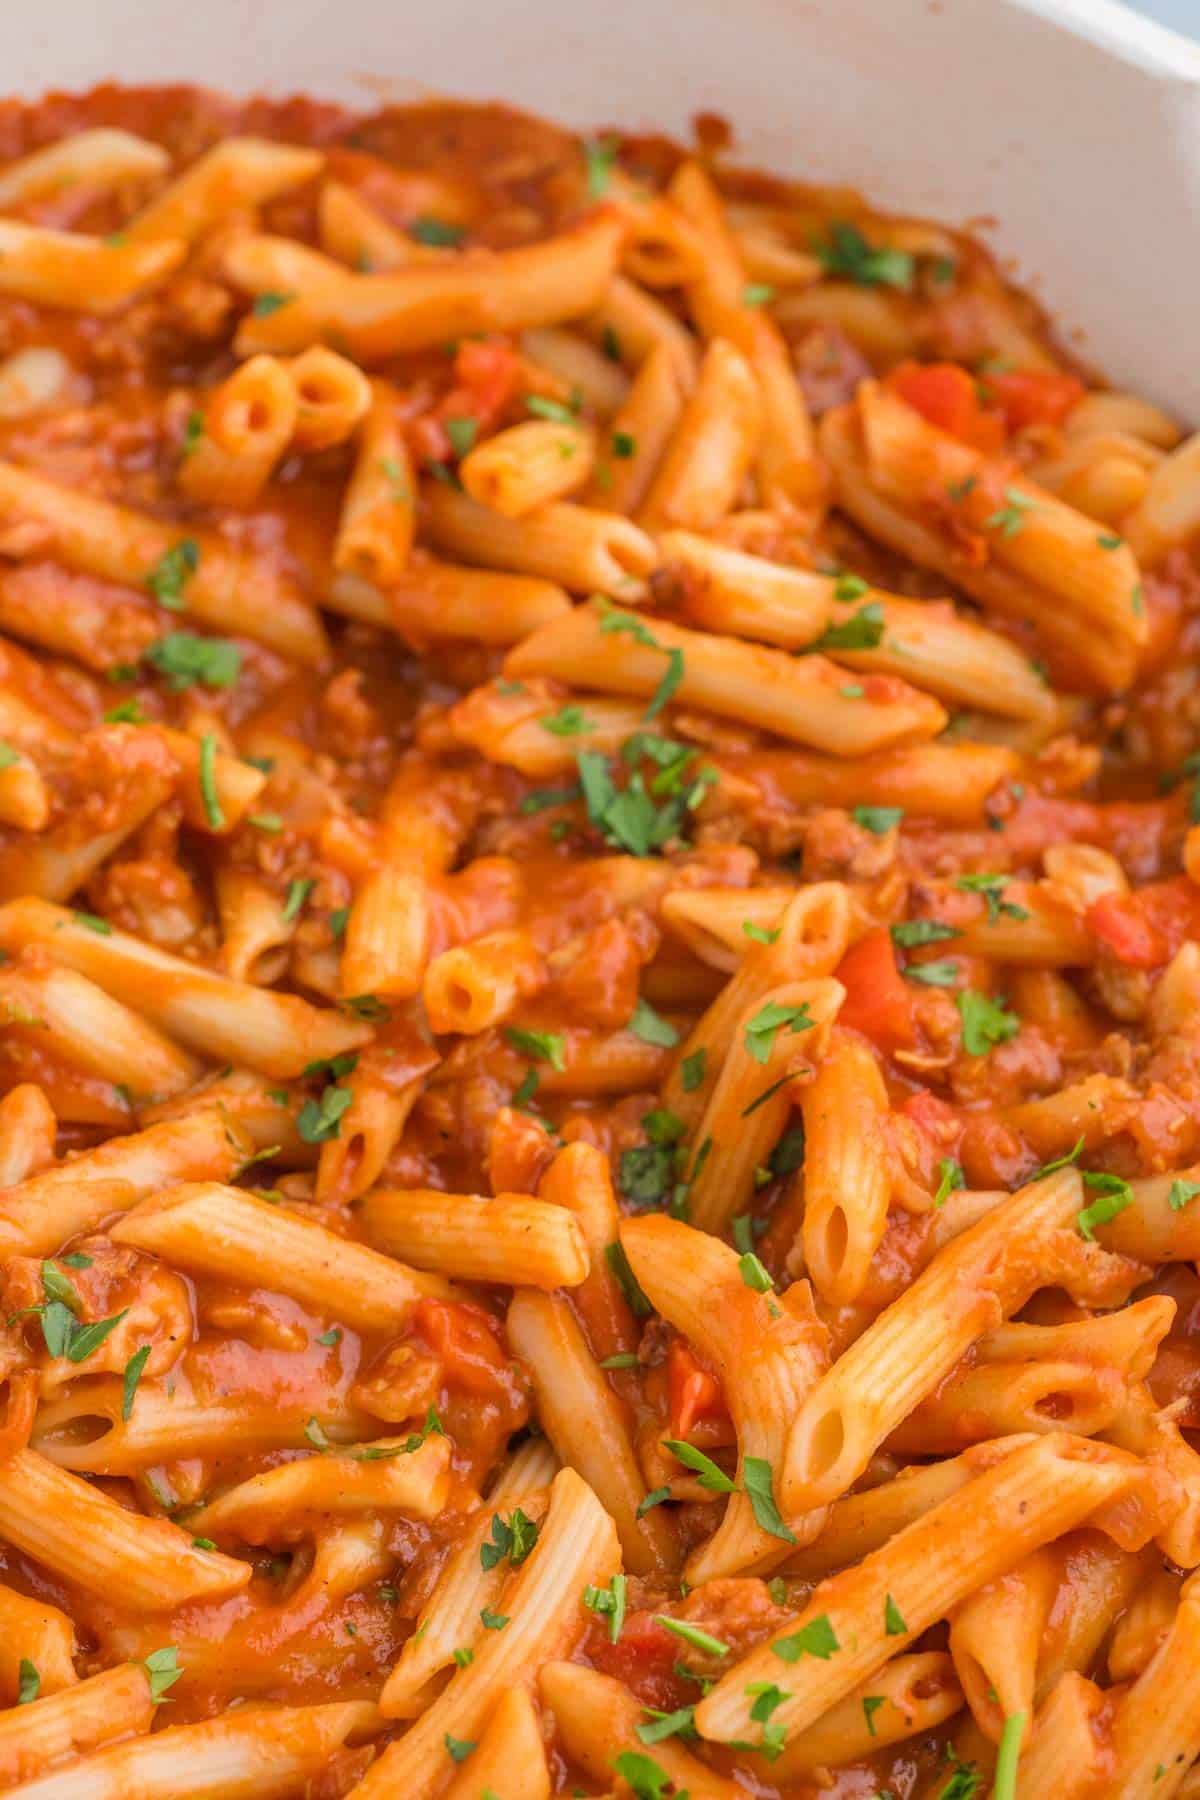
point(837, 1240)
point(258, 415)
point(458, 998)
point(826, 1442)
point(1055, 1406)
point(77, 1433)
point(314, 393)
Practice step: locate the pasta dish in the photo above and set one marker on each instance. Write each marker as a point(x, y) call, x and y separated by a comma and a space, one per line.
point(599, 983)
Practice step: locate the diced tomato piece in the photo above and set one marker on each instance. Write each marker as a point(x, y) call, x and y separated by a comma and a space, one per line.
point(693, 1392)
point(465, 1341)
point(485, 374)
point(877, 1001)
point(1121, 924)
point(949, 398)
point(644, 1658)
point(1033, 396)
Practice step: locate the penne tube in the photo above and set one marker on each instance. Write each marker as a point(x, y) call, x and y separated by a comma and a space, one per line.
point(333, 397)
point(85, 1431)
point(643, 427)
point(998, 1399)
point(767, 1355)
point(1153, 1230)
point(477, 985)
point(24, 796)
point(416, 308)
point(746, 1115)
point(1156, 1727)
point(579, 1179)
point(576, 1546)
point(597, 1720)
point(256, 1111)
point(1141, 1427)
point(1167, 513)
point(588, 1425)
point(255, 935)
point(215, 805)
point(415, 1483)
point(95, 1032)
point(34, 1631)
point(513, 1239)
point(1049, 570)
point(631, 324)
point(909, 1695)
point(102, 158)
point(847, 1168)
point(813, 935)
point(121, 767)
point(1066, 1758)
point(579, 367)
point(249, 1753)
point(453, 1615)
point(979, 1279)
point(928, 643)
point(375, 529)
point(947, 782)
point(433, 600)
point(80, 273)
point(278, 1034)
point(747, 596)
point(1144, 1624)
point(352, 231)
point(573, 546)
point(798, 699)
point(924, 1572)
point(27, 1132)
point(510, 728)
point(82, 1534)
point(44, 1210)
point(246, 427)
point(787, 473)
point(1098, 1581)
point(510, 1758)
point(528, 466)
point(59, 1727)
point(381, 1100)
point(237, 172)
point(218, 1230)
point(995, 1638)
point(1126, 1340)
point(708, 455)
point(864, 1521)
point(712, 921)
point(226, 588)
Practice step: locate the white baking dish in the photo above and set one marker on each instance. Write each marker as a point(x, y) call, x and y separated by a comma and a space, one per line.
point(1074, 125)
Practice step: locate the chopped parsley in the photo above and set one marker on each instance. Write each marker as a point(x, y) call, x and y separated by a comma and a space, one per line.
point(651, 1027)
point(438, 234)
point(761, 1031)
point(172, 572)
point(1010, 518)
point(985, 1022)
point(214, 812)
point(513, 1538)
point(878, 820)
point(909, 934)
point(542, 1046)
point(609, 1601)
point(817, 1638)
point(862, 631)
point(1114, 1194)
point(186, 659)
point(847, 255)
point(268, 303)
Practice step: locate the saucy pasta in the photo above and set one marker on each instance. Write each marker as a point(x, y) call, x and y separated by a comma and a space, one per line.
point(599, 983)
